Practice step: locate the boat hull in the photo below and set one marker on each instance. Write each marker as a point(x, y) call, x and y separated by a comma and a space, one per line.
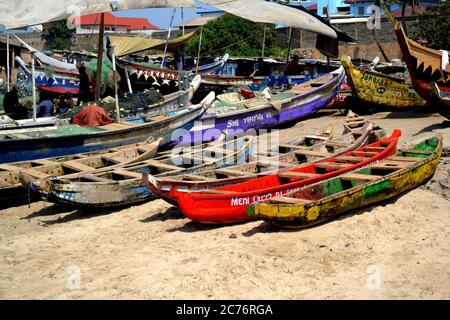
point(300, 216)
point(47, 147)
point(425, 68)
point(375, 88)
point(230, 203)
point(240, 122)
point(120, 193)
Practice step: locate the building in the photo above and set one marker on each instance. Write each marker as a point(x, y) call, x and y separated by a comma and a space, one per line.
point(90, 23)
point(359, 8)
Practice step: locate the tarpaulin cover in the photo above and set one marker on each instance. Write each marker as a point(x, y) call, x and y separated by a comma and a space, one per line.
point(92, 116)
point(129, 45)
point(269, 12)
point(20, 13)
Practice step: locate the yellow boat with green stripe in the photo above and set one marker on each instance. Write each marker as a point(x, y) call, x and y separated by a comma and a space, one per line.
point(379, 89)
point(377, 182)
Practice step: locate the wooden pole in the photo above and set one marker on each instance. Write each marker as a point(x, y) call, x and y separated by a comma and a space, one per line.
point(182, 18)
point(116, 93)
point(33, 85)
point(289, 44)
point(8, 71)
point(199, 49)
point(101, 34)
point(168, 37)
point(264, 42)
point(127, 75)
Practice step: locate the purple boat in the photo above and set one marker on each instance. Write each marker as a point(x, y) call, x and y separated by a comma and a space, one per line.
point(264, 111)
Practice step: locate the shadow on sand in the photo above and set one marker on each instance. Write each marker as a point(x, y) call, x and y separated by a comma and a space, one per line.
point(435, 126)
point(171, 214)
point(269, 228)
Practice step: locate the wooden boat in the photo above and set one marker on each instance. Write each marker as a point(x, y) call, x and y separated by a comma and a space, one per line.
point(160, 120)
point(307, 149)
point(156, 77)
point(426, 69)
point(377, 182)
point(375, 88)
point(14, 175)
point(263, 113)
point(230, 202)
point(55, 80)
point(122, 185)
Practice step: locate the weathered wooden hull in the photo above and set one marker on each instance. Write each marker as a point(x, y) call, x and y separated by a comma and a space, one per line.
point(424, 66)
point(376, 88)
point(52, 143)
point(59, 145)
point(157, 77)
point(57, 81)
point(264, 116)
point(128, 191)
point(16, 177)
point(283, 158)
point(230, 202)
point(341, 201)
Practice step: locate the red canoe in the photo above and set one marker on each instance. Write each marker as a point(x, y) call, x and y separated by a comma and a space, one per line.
point(228, 204)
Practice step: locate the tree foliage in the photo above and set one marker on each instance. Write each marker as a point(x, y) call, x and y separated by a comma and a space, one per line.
point(234, 35)
point(58, 36)
point(434, 26)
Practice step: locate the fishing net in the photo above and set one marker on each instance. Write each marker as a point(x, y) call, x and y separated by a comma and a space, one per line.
point(107, 72)
point(130, 104)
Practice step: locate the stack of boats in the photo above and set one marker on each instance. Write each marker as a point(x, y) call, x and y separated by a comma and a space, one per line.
point(229, 180)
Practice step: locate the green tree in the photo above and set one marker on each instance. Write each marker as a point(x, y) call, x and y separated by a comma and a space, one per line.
point(234, 35)
point(57, 36)
point(434, 26)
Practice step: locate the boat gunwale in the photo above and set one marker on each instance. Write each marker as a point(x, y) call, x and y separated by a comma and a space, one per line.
point(401, 171)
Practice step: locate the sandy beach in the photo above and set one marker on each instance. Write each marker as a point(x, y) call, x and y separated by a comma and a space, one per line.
point(398, 249)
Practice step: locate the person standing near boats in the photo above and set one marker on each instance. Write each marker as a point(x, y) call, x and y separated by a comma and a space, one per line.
point(84, 91)
point(13, 108)
point(292, 68)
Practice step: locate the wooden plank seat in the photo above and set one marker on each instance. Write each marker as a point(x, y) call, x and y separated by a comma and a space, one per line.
point(289, 200)
point(332, 165)
point(236, 173)
point(406, 159)
point(352, 159)
point(77, 166)
point(8, 167)
point(269, 164)
point(162, 165)
point(416, 151)
point(35, 173)
point(360, 176)
point(299, 175)
point(364, 153)
point(312, 153)
point(42, 162)
point(131, 174)
point(374, 148)
point(386, 166)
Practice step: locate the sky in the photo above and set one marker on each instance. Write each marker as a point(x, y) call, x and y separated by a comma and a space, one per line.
point(161, 17)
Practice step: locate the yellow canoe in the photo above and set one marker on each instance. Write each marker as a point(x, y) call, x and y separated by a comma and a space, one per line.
point(380, 89)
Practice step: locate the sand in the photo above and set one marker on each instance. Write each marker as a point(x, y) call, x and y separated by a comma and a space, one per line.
point(398, 249)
